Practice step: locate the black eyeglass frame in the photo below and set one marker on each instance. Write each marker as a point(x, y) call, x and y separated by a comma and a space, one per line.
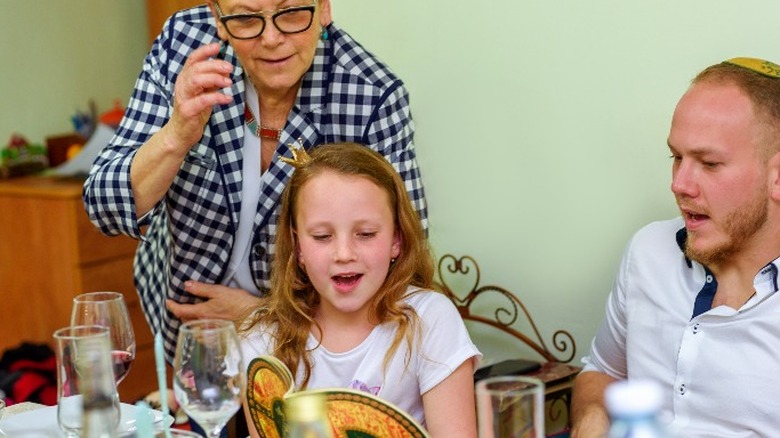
point(264, 15)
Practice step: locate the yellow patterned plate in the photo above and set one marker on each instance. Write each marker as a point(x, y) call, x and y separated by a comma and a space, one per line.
point(352, 413)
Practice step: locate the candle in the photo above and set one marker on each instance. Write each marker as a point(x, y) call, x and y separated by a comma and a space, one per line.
point(159, 360)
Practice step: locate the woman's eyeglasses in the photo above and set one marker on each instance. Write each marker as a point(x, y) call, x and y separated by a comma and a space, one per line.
point(248, 26)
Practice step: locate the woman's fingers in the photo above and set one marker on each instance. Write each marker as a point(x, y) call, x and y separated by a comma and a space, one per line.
point(198, 88)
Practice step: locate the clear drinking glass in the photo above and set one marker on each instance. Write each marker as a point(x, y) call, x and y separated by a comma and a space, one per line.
point(83, 361)
point(208, 373)
point(510, 407)
point(108, 309)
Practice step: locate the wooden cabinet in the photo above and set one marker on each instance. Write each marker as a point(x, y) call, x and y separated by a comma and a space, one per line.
point(49, 253)
point(157, 11)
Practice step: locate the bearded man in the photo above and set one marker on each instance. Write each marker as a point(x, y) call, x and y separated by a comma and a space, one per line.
point(694, 306)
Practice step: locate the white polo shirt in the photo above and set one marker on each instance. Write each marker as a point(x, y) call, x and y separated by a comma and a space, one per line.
point(720, 367)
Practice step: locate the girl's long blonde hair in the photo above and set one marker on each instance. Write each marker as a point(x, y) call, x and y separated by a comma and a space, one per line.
point(288, 311)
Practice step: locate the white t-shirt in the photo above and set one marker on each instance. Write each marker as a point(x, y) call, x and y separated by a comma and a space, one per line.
point(444, 346)
point(719, 369)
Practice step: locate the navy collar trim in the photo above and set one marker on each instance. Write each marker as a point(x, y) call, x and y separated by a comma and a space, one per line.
point(705, 296)
point(682, 237)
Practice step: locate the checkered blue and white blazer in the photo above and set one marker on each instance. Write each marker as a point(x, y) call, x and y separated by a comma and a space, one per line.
point(347, 95)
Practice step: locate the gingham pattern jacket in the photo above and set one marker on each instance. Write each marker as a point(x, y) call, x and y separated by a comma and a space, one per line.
point(347, 95)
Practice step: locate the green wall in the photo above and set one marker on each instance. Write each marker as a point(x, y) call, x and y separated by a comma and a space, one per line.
point(541, 125)
point(56, 55)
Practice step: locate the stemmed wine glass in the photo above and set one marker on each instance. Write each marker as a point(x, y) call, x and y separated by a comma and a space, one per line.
point(108, 309)
point(208, 373)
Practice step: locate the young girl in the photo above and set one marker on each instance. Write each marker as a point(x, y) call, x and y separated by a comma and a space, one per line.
point(350, 302)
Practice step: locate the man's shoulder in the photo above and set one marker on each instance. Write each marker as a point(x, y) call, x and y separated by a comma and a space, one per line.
point(661, 229)
point(658, 238)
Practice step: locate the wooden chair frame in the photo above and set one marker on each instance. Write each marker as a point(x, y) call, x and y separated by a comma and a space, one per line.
point(504, 315)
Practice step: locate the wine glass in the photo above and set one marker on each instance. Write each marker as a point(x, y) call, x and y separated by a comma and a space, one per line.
point(108, 309)
point(208, 373)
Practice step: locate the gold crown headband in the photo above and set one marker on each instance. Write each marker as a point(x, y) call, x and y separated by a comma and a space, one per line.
point(761, 66)
point(300, 157)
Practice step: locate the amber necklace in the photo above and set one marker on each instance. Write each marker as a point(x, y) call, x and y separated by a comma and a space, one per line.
point(260, 131)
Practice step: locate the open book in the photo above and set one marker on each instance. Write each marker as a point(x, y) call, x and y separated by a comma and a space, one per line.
point(352, 413)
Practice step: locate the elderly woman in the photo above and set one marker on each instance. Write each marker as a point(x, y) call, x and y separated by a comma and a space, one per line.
point(194, 171)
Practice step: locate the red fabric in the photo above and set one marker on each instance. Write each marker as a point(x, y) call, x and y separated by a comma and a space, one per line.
point(27, 385)
point(48, 395)
point(29, 373)
point(49, 364)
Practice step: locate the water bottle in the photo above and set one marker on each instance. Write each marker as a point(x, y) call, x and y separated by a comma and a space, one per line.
point(634, 408)
point(307, 416)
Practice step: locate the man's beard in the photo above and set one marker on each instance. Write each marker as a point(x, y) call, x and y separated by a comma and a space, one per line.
point(739, 227)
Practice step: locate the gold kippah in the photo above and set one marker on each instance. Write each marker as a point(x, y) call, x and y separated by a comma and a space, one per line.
point(300, 156)
point(766, 68)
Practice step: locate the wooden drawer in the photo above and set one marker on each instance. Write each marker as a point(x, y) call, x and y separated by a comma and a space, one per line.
point(36, 258)
point(49, 253)
point(94, 246)
point(114, 275)
point(143, 335)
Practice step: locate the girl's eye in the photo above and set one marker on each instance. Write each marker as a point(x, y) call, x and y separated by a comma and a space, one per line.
point(367, 235)
point(320, 237)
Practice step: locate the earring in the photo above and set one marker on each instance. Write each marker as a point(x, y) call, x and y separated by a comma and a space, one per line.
point(392, 261)
point(324, 35)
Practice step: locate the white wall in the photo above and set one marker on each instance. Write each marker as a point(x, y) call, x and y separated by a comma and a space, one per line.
point(57, 54)
point(542, 126)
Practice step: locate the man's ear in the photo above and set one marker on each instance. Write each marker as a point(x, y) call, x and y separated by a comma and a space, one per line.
point(773, 170)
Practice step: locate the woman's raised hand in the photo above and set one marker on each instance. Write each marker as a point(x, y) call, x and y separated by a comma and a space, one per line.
point(198, 88)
